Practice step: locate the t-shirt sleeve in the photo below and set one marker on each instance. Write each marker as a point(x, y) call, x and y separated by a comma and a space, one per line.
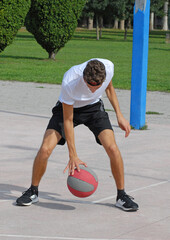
point(65, 96)
point(65, 93)
point(110, 70)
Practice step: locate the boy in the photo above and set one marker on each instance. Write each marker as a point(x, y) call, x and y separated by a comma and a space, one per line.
point(80, 103)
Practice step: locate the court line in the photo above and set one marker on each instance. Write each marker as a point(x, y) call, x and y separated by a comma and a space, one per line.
point(24, 114)
point(132, 191)
point(107, 198)
point(60, 238)
point(2, 201)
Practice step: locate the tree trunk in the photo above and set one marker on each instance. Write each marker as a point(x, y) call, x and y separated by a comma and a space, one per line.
point(125, 35)
point(100, 25)
point(165, 18)
point(52, 55)
point(167, 37)
point(116, 24)
point(129, 24)
point(126, 28)
point(151, 26)
point(97, 27)
point(90, 23)
point(122, 24)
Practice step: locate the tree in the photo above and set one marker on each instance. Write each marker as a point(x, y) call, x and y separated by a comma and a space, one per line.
point(156, 8)
point(12, 15)
point(97, 8)
point(128, 15)
point(53, 22)
point(88, 14)
point(122, 10)
point(165, 17)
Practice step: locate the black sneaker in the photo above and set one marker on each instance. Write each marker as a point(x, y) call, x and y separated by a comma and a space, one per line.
point(125, 202)
point(28, 197)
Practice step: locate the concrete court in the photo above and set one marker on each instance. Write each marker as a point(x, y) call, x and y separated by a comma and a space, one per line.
point(25, 109)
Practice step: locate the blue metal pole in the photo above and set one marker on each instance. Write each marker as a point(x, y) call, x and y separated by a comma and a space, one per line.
point(139, 63)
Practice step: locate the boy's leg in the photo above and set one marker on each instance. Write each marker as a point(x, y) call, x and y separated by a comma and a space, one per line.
point(50, 140)
point(123, 201)
point(107, 139)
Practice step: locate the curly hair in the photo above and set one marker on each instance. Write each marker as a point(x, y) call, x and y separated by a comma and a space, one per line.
point(94, 73)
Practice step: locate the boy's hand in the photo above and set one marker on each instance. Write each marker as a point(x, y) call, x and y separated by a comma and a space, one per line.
point(73, 163)
point(124, 125)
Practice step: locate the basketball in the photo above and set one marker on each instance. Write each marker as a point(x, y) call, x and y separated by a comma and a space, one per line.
point(84, 183)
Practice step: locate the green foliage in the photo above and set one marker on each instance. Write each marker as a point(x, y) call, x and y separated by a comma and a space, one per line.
point(53, 22)
point(122, 9)
point(109, 9)
point(96, 6)
point(157, 7)
point(12, 15)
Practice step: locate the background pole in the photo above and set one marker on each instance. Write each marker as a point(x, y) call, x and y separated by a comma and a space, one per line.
point(139, 63)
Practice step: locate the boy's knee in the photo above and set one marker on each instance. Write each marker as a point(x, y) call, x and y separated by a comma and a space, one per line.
point(112, 149)
point(45, 151)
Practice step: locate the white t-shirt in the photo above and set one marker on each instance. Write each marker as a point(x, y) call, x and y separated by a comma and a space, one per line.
point(74, 90)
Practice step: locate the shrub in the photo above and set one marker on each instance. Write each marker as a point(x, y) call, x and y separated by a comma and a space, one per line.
point(12, 15)
point(53, 22)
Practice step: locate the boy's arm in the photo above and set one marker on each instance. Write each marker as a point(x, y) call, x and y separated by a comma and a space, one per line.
point(123, 123)
point(74, 161)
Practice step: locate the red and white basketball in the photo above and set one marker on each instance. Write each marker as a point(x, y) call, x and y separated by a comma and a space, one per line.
point(84, 183)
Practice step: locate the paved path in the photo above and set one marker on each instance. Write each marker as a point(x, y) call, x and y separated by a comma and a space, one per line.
point(25, 109)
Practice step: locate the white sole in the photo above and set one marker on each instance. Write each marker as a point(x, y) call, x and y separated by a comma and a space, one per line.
point(125, 209)
point(35, 200)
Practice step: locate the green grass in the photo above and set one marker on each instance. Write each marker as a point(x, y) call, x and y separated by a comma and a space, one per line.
point(25, 60)
point(145, 127)
point(153, 113)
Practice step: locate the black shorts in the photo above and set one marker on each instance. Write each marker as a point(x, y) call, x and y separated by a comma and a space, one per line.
point(93, 116)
